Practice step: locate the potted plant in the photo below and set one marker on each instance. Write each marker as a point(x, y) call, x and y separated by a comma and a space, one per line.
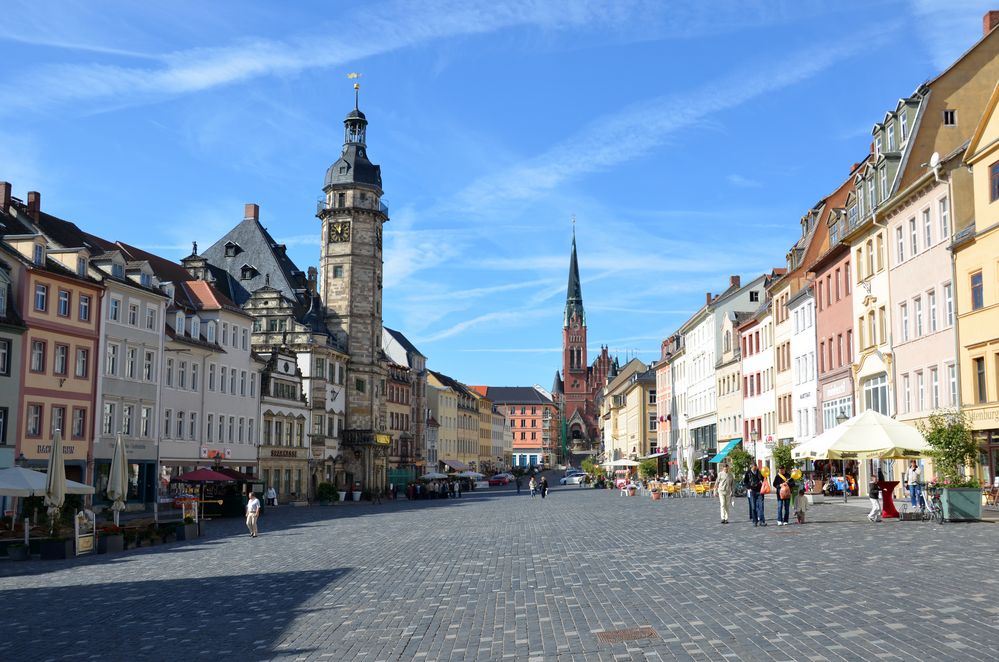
point(356, 494)
point(341, 495)
point(56, 548)
point(110, 539)
point(955, 452)
point(18, 551)
point(739, 460)
point(187, 530)
point(326, 493)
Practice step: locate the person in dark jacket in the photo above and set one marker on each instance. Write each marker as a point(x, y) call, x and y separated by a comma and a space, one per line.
point(873, 492)
point(783, 497)
point(753, 482)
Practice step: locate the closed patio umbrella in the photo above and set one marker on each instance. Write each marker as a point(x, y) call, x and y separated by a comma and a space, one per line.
point(118, 480)
point(55, 485)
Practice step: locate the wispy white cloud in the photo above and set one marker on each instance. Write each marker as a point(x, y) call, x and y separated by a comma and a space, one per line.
point(741, 181)
point(635, 131)
point(513, 350)
point(949, 28)
point(503, 319)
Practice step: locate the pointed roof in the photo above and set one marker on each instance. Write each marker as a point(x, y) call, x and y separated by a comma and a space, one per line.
point(574, 292)
point(557, 384)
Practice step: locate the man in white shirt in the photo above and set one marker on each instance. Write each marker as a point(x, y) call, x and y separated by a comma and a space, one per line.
point(912, 480)
point(252, 512)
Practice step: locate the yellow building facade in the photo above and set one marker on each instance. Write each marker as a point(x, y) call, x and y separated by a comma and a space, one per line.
point(976, 273)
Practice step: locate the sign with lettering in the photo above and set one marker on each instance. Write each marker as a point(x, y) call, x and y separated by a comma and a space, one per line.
point(85, 525)
point(284, 452)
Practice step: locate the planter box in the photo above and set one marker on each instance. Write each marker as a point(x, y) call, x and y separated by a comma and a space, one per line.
point(343, 496)
point(18, 552)
point(656, 496)
point(961, 504)
point(187, 532)
point(813, 499)
point(56, 549)
point(356, 496)
point(111, 544)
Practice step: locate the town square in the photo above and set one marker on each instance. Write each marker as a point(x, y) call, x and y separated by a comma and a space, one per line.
point(499, 329)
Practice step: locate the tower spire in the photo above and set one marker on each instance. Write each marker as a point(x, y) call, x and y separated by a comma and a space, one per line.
point(574, 292)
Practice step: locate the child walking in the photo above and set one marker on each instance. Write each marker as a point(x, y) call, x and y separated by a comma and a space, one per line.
point(873, 492)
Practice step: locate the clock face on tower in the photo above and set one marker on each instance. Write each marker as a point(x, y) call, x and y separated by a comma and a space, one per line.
point(339, 231)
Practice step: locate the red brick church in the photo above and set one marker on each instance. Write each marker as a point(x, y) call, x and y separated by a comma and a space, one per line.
point(577, 387)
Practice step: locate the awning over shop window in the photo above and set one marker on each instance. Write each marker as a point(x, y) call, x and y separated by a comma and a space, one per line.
point(655, 456)
point(455, 464)
point(723, 453)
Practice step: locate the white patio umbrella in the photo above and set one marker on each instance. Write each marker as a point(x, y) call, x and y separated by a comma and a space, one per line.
point(433, 475)
point(118, 480)
point(471, 474)
point(21, 482)
point(55, 484)
point(621, 463)
point(866, 436)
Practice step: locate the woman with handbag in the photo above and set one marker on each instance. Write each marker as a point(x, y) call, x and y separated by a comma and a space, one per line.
point(783, 486)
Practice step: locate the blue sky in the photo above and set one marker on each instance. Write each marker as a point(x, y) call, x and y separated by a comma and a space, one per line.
point(687, 137)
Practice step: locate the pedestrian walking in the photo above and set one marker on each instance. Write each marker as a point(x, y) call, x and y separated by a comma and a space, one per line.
point(753, 482)
point(800, 506)
point(873, 492)
point(271, 496)
point(725, 489)
point(544, 487)
point(518, 484)
point(783, 487)
point(252, 513)
point(457, 488)
point(533, 485)
point(912, 481)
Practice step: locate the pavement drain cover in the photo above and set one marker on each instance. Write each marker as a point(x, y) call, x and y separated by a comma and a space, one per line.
point(631, 634)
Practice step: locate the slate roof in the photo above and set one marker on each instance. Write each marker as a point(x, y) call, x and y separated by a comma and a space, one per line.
point(557, 384)
point(254, 247)
point(508, 395)
point(574, 291)
point(404, 341)
point(453, 384)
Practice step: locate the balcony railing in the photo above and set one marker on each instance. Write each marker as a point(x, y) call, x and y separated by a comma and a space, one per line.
point(382, 205)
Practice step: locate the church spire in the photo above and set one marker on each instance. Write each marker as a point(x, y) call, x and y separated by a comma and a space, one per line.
point(574, 292)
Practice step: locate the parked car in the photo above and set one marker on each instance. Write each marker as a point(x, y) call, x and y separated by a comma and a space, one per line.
point(573, 479)
point(572, 472)
point(499, 479)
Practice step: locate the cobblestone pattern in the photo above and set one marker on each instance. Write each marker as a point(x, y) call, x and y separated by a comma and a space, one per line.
point(495, 576)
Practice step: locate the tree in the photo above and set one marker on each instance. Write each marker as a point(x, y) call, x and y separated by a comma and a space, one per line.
point(954, 448)
point(782, 455)
point(590, 467)
point(740, 460)
point(648, 468)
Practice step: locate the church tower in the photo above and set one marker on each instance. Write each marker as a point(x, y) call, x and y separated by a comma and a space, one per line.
point(575, 377)
point(352, 215)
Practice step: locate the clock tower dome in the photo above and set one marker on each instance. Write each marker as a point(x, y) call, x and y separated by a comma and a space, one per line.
point(352, 214)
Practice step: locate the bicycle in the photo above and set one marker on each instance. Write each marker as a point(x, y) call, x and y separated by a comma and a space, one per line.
point(932, 509)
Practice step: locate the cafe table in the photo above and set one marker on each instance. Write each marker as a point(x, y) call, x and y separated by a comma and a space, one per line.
point(887, 504)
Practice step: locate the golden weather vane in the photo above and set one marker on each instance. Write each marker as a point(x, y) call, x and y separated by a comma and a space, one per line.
point(353, 75)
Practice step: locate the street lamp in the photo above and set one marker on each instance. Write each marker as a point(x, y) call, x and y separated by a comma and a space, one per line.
point(754, 436)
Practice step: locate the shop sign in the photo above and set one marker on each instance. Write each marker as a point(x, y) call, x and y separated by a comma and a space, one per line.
point(283, 452)
point(837, 389)
point(991, 414)
point(770, 442)
point(383, 439)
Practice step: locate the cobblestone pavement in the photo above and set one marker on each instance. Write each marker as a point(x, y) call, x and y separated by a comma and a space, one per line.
point(496, 576)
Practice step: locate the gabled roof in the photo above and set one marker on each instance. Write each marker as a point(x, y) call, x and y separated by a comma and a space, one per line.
point(453, 384)
point(404, 341)
point(519, 395)
point(976, 137)
point(268, 258)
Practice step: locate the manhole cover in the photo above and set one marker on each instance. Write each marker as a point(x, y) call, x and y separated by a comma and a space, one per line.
point(631, 634)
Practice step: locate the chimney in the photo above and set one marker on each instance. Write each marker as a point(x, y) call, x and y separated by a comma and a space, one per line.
point(5, 195)
point(34, 204)
point(735, 281)
point(989, 22)
point(251, 210)
point(707, 298)
point(312, 280)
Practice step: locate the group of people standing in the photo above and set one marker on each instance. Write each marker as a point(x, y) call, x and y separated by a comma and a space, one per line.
point(538, 486)
point(785, 486)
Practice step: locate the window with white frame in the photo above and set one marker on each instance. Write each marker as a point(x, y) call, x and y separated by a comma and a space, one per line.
point(210, 332)
point(931, 310)
point(126, 420)
point(169, 372)
point(913, 238)
point(920, 391)
point(167, 420)
point(884, 183)
point(876, 394)
point(111, 362)
point(917, 313)
point(108, 425)
point(180, 425)
point(114, 310)
point(130, 359)
point(934, 388)
point(903, 117)
point(900, 244)
point(148, 361)
point(907, 394)
point(927, 228)
point(944, 207)
point(952, 378)
point(179, 324)
point(133, 314)
point(145, 421)
point(948, 304)
point(903, 317)
point(150, 318)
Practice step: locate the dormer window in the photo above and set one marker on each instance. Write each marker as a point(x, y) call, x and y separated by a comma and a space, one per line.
point(39, 256)
point(118, 270)
point(903, 117)
point(145, 280)
point(179, 326)
point(877, 145)
point(247, 272)
point(195, 327)
point(890, 130)
point(232, 249)
point(210, 331)
point(81, 267)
